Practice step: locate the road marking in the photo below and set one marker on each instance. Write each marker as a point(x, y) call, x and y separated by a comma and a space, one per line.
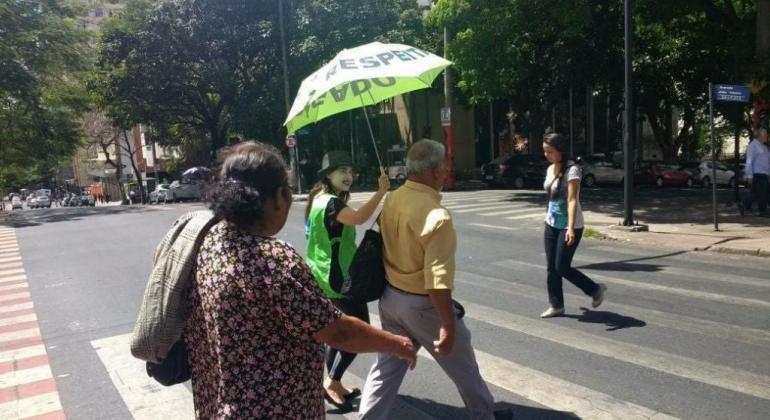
point(22, 353)
point(502, 213)
point(14, 296)
point(527, 216)
point(541, 388)
point(11, 279)
point(25, 376)
point(4, 260)
point(17, 319)
point(708, 373)
point(497, 207)
point(37, 405)
point(19, 286)
point(16, 307)
point(144, 397)
point(678, 322)
point(19, 335)
point(678, 271)
point(495, 226)
point(714, 297)
point(5, 273)
point(454, 207)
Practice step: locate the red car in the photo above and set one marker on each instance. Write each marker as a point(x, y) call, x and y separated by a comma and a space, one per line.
point(672, 175)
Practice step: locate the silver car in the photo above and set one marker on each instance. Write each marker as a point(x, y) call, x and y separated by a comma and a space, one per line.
point(601, 170)
point(183, 190)
point(724, 175)
point(160, 194)
point(43, 200)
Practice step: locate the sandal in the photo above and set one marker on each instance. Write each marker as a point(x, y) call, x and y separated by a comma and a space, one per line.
point(346, 406)
point(355, 392)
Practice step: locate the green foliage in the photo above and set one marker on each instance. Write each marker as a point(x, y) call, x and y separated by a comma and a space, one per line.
point(42, 58)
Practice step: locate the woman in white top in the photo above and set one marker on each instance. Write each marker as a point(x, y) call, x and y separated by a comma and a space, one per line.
point(564, 227)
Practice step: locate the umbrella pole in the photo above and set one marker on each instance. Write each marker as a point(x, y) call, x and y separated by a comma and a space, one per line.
point(371, 134)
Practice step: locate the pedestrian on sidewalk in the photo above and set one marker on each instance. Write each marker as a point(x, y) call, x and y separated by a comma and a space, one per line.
point(563, 226)
point(419, 245)
point(331, 243)
point(257, 317)
point(757, 172)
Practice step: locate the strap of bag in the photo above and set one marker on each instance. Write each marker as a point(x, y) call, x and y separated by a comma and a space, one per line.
point(376, 221)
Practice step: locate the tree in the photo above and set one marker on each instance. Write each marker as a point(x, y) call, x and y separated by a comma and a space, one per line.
point(41, 56)
point(103, 137)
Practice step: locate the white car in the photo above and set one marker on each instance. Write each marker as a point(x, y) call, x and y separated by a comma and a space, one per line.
point(42, 200)
point(598, 169)
point(160, 195)
point(724, 175)
point(16, 203)
point(183, 190)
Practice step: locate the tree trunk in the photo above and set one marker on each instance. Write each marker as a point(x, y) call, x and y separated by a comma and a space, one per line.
point(139, 179)
point(661, 138)
point(763, 29)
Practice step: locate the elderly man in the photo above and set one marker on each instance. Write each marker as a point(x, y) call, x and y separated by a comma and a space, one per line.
point(757, 172)
point(419, 255)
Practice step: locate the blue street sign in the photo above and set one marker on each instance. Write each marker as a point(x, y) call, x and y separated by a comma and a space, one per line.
point(731, 93)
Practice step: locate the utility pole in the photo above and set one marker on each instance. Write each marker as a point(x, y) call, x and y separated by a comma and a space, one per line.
point(628, 117)
point(447, 122)
point(293, 150)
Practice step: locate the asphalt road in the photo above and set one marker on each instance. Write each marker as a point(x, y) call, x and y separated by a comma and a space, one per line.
point(681, 334)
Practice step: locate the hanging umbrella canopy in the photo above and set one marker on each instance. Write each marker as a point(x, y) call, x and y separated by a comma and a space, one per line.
point(362, 76)
point(197, 172)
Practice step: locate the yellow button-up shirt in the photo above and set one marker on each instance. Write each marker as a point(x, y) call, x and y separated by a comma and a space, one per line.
point(419, 239)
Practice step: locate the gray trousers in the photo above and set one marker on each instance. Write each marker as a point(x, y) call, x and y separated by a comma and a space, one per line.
point(415, 317)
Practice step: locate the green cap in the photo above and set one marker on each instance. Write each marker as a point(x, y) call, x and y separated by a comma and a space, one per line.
point(334, 160)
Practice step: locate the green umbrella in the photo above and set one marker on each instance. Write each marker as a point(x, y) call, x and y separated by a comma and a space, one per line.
point(361, 76)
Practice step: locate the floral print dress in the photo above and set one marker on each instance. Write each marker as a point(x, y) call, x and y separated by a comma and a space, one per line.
point(254, 309)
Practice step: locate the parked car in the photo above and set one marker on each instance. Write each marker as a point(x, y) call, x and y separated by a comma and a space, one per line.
point(672, 175)
point(65, 201)
point(724, 175)
point(87, 200)
point(599, 169)
point(183, 190)
point(160, 194)
point(43, 201)
point(515, 171)
point(31, 202)
point(16, 203)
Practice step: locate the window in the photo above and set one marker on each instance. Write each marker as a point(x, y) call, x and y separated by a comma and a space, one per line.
point(99, 12)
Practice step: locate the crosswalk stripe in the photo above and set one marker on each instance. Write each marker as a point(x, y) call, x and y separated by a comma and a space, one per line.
point(527, 216)
point(455, 207)
point(17, 319)
point(14, 287)
point(678, 322)
point(475, 200)
point(11, 279)
point(16, 307)
point(10, 265)
point(37, 405)
point(495, 227)
point(541, 388)
point(6, 273)
point(25, 376)
point(506, 212)
point(22, 353)
point(496, 207)
point(14, 296)
point(714, 297)
point(681, 272)
point(10, 259)
point(144, 397)
point(708, 373)
point(19, 335)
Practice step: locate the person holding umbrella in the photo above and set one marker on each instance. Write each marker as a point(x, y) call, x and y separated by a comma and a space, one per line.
point(331, 234)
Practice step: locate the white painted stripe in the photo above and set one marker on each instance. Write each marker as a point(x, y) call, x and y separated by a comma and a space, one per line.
point(6, 273)
point(10, 265)
point(9, 248)
point(466, 206)
point(10, 259)
point(16, 307)
point(12, 278)
point(19, 335)
point(541, 388)
point(474, 200)
point(13, 287)
point(497, 207)
point(678, 322)
point(17, 319)
point(679, 271)
point(539, 214)
point(495, 226)
point(30, 407)
point(708, 373)
point(9, 252)
point(25, 376)
point(513, 211)
point(22, 353)
point(14, 296)
point(689, 293)
point(143, 396)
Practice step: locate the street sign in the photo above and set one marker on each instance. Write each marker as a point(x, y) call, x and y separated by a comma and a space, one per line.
point(446, 116)
point(291, 141)
point(732, 93)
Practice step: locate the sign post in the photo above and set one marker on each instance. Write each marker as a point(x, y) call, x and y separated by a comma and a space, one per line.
point(722, 93)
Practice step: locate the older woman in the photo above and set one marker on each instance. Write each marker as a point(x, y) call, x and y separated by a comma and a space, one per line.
point(258, 318)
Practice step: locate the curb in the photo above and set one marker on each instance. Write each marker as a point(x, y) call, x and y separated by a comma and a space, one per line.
point(738, 251)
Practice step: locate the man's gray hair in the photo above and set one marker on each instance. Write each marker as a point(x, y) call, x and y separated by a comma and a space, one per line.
point(425, 155)
point(759, 131)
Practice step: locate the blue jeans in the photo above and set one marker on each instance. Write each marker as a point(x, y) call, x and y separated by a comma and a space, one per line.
point(559, 258)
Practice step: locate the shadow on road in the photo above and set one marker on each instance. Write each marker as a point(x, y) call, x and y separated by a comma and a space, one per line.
point(612, 320)
point(28, 218)
point(443, 411)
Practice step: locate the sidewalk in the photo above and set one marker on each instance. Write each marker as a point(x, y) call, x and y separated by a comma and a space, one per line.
point(747, 235)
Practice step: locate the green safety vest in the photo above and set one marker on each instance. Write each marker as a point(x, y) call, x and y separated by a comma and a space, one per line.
point(319, 246)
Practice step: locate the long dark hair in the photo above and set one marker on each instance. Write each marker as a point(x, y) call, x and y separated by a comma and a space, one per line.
point(324, 185)
point(558, 142)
